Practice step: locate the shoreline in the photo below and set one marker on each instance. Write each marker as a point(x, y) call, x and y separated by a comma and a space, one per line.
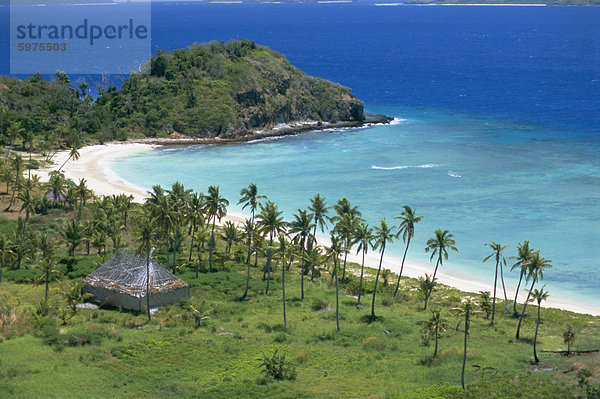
point(95, 162)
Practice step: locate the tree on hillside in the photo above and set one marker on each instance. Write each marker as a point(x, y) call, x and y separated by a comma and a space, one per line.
point(426, 286)
point(439, 245)
point(194, 212)
point(434, 326)
point(524, 252)
point(538, 296)
point(318, 207)
point(272, 224)
point(497, 254)
point(17, 168)
point(215, 207)
point(363, 236)
point(230, 235)
point(406, 228)
point(73, 154)
point(333, 252)
point(250, 198)
point(248, 231)
point(145, 239)
point(568, 333)
point(6, 253)
point(72, 233)
point(301, 227)
point(383, 236)
point(536, 266)
point(49, 272)
point(347, 219)
point(465, 310)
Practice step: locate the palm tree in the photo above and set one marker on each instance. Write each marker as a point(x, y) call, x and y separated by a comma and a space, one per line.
point(524, 252)
point(466, 309)
point(536, 265)
point(47, 266)
point(333, 252)
point(57, 186)
point(538, 296)
point(248, 230)
point(313, 258)
point(383, 235)
point(250, 197)
point(73, 153)
point(363, 236)
point(282, 249)
point(270, 222)
point(301, 226)
point(347, 219)
point(145, 240)
point(426, 287)
point(434, 326)
point(72, 233)
point(408, 219)
point(230, 235)
point(215, 207)
point(6, 252)
point(6, 174)
point(318, 207)
point(194, 213)
point(17, 167)
point(27, 205)
point(439, 246)
point(83, 192)
point(568, 334)
point(497, 254)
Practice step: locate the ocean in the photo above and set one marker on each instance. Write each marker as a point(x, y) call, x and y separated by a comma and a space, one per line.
point(496, 136)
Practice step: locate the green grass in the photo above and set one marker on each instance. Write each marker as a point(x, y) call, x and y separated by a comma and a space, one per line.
point(220, 359)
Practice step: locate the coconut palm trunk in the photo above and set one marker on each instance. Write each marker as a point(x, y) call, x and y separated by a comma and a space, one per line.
point(148, 284)
point(494, 300)
point(302, 272)
point(362, 270)
point(537, 325)
point(337, 300)
point(344, 269)
point(376, 281)
point(192, 244)
point(401, 268)
point(283, 294)
point(248, 263)
point(517, 294)
point(464, 362)
point(524, 308)
point(268, 264)
point(506, 308)
point(212, 244)
point(436, 343)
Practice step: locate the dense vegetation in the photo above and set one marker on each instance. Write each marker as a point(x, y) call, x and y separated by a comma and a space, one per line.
point(208, 90)
point(272, 312)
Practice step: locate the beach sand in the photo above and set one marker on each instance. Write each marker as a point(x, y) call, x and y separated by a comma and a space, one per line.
point(94, 164)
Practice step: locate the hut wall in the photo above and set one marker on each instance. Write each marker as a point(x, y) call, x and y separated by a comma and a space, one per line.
point(108, 297)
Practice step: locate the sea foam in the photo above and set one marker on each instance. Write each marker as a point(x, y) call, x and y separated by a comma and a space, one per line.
point(428, 165)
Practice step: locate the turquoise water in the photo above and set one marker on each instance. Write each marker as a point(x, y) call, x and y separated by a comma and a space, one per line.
point(480, 178)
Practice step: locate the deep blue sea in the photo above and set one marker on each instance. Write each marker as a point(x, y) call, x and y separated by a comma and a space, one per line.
point(497, 136)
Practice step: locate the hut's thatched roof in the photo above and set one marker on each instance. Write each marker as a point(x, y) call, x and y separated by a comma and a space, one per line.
point(125, 272)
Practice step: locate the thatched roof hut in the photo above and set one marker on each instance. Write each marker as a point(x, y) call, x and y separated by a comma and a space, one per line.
point(121, 282)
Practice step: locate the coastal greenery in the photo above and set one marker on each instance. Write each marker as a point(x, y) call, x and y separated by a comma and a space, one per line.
point(223, 90)
point(271, 312)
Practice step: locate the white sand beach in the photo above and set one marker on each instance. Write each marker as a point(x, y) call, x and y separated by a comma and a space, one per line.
point(94, 165)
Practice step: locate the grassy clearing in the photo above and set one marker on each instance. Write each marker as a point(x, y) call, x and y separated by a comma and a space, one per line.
point(123, 356)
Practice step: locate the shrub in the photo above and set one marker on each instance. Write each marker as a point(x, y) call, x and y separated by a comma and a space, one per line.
point(277, 367)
